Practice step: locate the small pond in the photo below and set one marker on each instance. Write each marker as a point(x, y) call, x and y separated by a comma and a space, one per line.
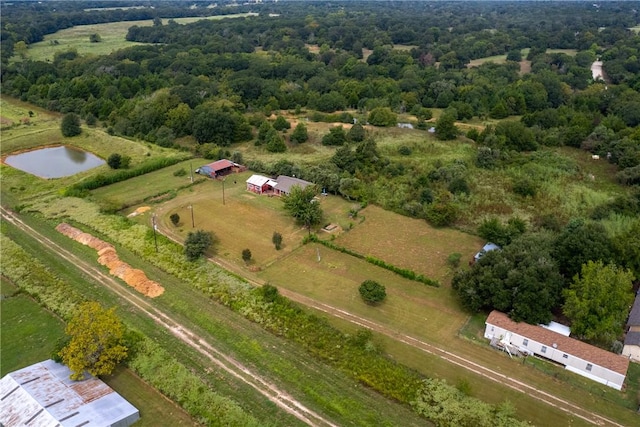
point(54, 162)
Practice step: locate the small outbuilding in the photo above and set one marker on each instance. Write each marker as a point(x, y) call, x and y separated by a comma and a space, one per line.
point(43, 395)
point(220, 168)
point(486, 248)
point(260, 184)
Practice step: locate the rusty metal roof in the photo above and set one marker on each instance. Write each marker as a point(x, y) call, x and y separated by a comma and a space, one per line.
point(42, 395)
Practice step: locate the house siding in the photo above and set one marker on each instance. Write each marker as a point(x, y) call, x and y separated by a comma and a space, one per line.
point(571, 363)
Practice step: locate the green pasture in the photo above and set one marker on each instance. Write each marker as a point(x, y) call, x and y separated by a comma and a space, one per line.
point(29, 332)
point(155, 409)
point(112, 36)
point(245, 220)
point(635, 29)
point(408, 243)
point(15, 113)
point(160, 183)
point(411, 307)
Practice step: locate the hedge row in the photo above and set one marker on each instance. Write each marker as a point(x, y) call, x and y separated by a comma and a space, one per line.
point(404, 272)
point(147, 359)
point(102, 180)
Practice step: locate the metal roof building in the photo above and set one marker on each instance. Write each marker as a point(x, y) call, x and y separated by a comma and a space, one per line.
point(42, 395)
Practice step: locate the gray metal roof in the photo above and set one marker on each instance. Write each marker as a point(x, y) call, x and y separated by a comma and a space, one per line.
point(42, 395)
point(634, 316)
point(632, 338)
point(285, 183)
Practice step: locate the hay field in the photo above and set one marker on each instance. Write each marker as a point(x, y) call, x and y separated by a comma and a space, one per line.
point(408, 243)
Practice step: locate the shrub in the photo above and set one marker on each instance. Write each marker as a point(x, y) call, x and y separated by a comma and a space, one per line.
point(372, 292)
point(180, 172)
point(175, 219)
point(383, 117)
point(525, 187)
point(404, 150)
point(277, 240)
point(197, 244)
point(117, 161)
point(454, 259)
point(246, 255)
point(281, 124)
point(299, 134)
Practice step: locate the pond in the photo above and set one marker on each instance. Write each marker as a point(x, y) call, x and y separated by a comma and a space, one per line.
point(54, 162)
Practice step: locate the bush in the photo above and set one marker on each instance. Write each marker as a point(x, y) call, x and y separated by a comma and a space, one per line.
point(383, 117)
point(117, 161)
point(246, 255)
point(180, 172)
point(197, 244)
point(281, 124)
point(404, 150)
point(175, 219)
point(299, 134)
point(454, 259)
point(277, 240)
point(372, 292)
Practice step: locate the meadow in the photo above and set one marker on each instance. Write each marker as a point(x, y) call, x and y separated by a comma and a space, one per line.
point(112, 36)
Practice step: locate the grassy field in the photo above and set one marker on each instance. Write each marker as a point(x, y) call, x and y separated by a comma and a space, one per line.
point(157, 183)
point(112, 36)
point(29, 333)
point(424, 249)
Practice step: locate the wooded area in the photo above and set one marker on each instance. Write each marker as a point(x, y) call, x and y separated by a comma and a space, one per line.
point(214, 86)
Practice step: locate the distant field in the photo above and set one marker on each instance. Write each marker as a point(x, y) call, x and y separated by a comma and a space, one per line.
point(635, 29)
point(112, 35)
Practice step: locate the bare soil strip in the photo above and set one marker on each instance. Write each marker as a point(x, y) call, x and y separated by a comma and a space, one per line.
point(279, 397)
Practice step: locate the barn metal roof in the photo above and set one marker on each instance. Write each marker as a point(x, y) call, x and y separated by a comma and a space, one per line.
point(42, 395)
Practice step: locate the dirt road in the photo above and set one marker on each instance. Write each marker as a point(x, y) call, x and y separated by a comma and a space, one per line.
point(456, 359)
point(278, 396)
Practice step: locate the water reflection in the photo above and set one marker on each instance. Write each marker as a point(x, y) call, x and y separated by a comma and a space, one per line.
point(75, 155)
point(54, 162)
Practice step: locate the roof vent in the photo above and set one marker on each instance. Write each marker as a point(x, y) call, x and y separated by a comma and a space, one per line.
point(555, 345)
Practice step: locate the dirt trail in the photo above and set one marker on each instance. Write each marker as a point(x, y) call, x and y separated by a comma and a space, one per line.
point(276, 395)
point(456, 359)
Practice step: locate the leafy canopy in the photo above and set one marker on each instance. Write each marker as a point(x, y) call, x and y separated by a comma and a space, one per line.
point(96, 344)
point(598, 300)
point(302, 205)
point(372, 292)
point(197, 244)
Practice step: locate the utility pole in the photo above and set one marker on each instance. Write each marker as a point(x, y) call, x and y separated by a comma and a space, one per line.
point(191, 168)
point(193, 224)
point(155, 237)
point(223, 180)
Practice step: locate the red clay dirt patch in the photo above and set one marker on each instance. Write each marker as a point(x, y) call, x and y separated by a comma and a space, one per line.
point(108, 257)
point(5, 122)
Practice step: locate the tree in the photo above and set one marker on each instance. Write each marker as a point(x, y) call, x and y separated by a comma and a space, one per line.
point(246, 255)
point(521, 280)
point(301, 204)
point(117, 161)
point(597, 302)
point(70, 125)
point(197, 244)
point(336, 136)
point(383, 116)
point(299, 134)
point(175, 219)
point(95, 38)
point(96, 341)
point(445, 126)
point(275, 142)
point(372, 292)
point(281, 124)
point(356, 133)
point(277, 240)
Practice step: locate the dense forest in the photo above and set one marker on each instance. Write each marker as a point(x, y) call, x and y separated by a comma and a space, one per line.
point(215, 83)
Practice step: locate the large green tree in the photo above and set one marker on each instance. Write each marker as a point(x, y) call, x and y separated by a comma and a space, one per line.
point(70, 125)
point(446, 126)
point(197, 244)
point(301, 204)
point(96, 341)
point(598, 300)
point(521, 280)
